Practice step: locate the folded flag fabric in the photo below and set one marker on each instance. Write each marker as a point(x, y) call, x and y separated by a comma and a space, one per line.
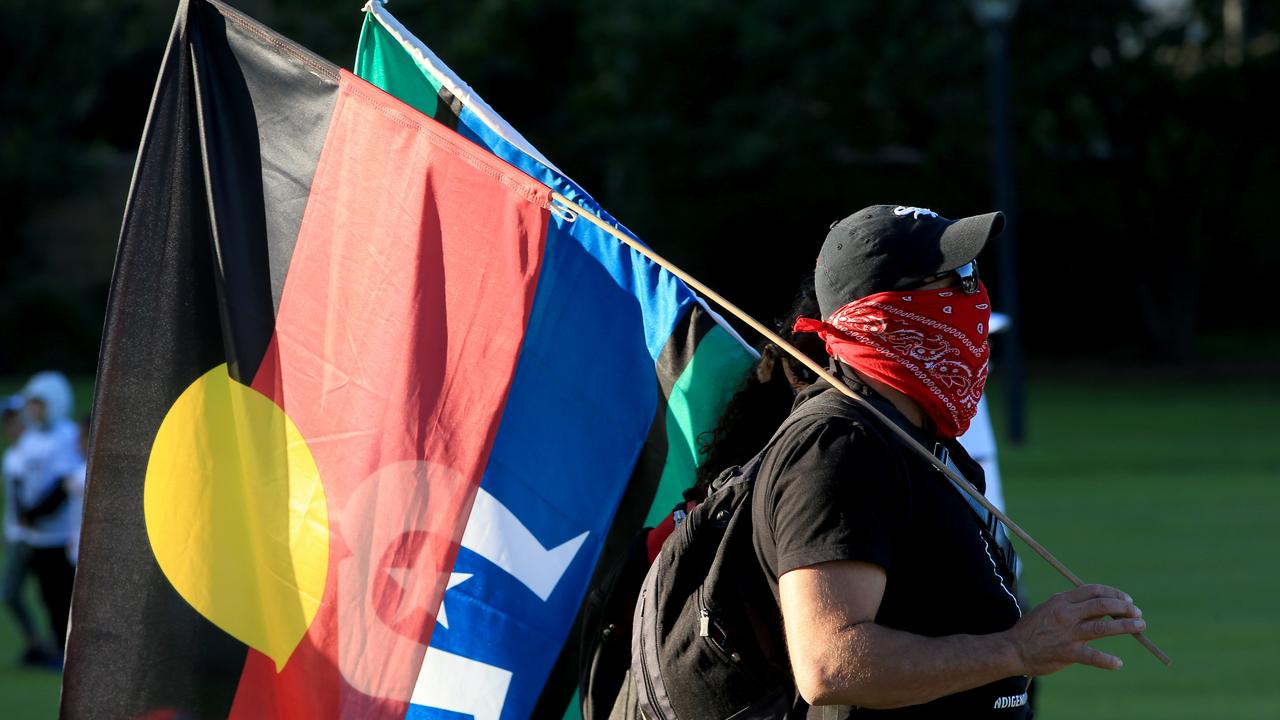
point(363, 385)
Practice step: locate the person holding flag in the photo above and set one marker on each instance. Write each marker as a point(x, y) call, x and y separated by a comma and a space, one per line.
point(896, 596)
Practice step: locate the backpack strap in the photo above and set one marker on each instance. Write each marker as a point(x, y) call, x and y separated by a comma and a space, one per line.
point(989, 523)
point(824, 405)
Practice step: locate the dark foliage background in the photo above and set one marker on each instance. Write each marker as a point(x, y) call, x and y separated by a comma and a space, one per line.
point(729, 135)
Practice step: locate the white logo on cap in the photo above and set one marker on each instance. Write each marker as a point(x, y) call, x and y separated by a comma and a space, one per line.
point(916, 212)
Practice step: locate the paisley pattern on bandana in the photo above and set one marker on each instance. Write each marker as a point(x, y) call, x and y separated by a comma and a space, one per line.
point(930, 345)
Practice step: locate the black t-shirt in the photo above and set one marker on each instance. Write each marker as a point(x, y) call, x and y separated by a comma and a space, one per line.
point(838, 488)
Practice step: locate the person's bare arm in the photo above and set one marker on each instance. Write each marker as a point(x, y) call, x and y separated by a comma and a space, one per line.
point(841, 657)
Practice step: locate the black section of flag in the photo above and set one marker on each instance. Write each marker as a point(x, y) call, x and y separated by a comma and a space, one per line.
point(264, 107)
point(448, 108)
point(636, 500)
point(236, 124)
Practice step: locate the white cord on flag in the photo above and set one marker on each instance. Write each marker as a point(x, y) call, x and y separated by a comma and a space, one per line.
point(562, 210)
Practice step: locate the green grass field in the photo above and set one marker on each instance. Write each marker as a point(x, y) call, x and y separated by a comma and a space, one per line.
point(1169, 489)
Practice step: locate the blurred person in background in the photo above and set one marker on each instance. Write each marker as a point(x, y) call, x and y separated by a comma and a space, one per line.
point(48, 452)
point(17, 561)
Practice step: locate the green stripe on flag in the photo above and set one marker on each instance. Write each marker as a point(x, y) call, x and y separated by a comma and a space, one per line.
point(697, 399)
point(382, 60)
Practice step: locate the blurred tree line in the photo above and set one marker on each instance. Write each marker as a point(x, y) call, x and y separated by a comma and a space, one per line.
point(730, 135)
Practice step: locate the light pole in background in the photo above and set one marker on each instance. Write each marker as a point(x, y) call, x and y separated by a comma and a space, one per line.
point(995, 17)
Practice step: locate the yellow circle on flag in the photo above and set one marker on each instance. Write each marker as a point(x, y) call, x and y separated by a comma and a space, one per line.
point(236, 514)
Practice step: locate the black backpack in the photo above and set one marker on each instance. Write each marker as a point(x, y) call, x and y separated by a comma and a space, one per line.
point(604, 670)
point(707, 640)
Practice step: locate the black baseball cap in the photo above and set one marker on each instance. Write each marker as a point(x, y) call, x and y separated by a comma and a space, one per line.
point(891, 247)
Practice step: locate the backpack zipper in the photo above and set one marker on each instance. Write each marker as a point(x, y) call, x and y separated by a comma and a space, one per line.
point(707, 623)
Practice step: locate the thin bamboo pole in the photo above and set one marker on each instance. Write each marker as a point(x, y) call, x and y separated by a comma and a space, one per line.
point(773, 337)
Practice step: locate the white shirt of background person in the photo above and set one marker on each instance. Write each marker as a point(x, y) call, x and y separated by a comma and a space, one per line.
point(980, 440)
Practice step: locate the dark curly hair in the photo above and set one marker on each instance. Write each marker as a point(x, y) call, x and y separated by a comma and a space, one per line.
point(766, 394)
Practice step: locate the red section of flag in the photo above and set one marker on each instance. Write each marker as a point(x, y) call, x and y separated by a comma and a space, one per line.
point(396, 341)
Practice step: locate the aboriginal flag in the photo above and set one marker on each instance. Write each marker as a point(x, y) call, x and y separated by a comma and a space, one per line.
point(318, 303)
point(377, 394)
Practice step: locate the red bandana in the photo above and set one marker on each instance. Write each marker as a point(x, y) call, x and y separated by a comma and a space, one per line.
point(930, 345)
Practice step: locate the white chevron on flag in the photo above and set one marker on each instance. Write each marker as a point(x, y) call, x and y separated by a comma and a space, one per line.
point(497, 535)
point(461, 685)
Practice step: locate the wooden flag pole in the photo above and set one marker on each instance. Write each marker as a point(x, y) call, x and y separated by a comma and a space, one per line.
point(774, 338)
